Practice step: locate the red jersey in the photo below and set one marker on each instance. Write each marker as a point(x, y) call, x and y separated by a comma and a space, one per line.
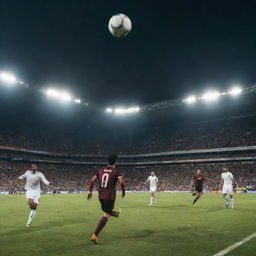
point(107, 178)
point(199, 180)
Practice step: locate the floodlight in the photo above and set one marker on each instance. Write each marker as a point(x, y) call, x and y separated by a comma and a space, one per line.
point(235, 91)
point(190, 99)
point(211, 96)
point(78, 101)
point(120, 111)
point(52, 93)
point(109, 110)
point(8, 78)
point(65, 96)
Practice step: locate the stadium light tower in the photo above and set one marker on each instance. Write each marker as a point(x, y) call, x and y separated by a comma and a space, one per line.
point(65, 96)
point(109, 110)
point(78, 101)
point(60, 95)
point(211, 96)
point(190, 99)
point(120, 111)
point(235, 91)
point(8, 78)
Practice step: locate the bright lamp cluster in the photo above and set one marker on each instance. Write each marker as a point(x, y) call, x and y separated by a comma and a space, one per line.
point(61, 96)
point(123, 111)
point(10, 79)
point(211, 96)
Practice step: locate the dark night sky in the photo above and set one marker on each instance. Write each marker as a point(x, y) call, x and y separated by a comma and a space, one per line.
point(175, 47)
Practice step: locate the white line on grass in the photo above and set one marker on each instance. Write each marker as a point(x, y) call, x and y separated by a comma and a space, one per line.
point(232, 247)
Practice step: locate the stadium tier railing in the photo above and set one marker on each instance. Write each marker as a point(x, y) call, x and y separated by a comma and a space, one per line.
point(170, 153)
point(144, 163)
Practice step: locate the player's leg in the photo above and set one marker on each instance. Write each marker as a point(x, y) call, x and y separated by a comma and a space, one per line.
point(198, 195)
point(154, 197)
point(226, 197)
point(151, 198)
point(232, 201)
point(107, 207)
point(32, 214)
point(33, 201)
point(231, 198)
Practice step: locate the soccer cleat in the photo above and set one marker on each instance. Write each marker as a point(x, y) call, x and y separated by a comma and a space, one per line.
point(150, 205)
point(94, 239)
point(116, 213)
point(27, 225)
point(226, 206)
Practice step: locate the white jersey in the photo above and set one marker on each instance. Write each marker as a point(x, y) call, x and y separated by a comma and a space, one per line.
point(33, 180)
point(227, 177)
point(152, 181)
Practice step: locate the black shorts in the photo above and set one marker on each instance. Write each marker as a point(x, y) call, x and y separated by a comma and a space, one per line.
point(107, 205)
point(199, 189)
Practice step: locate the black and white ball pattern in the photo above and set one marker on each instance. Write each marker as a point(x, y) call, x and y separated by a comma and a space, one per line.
point(119, 25)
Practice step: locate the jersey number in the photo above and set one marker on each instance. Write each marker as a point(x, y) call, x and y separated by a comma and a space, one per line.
point(104, 180)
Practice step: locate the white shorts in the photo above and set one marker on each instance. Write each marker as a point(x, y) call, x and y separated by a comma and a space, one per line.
point(153, 189)
point(227, 190)
point(35, 195)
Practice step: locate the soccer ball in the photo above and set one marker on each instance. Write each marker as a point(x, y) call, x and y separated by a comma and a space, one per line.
point(119, 25)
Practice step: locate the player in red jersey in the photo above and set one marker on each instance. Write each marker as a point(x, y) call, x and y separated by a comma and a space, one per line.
point(198, 181)
point(107, 178)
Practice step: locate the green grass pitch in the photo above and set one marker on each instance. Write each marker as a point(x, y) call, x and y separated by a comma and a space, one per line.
point(64, 223)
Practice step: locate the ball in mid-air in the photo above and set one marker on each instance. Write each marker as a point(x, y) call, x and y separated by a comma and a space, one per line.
point(119, 25)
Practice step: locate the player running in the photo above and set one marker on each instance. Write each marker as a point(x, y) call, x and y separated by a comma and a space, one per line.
point(197, 185)
point(107, 178)
point(33, 178)
point(227, 183)
point(153, 180)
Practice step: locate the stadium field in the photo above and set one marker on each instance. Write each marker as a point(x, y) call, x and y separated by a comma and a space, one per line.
point(64, 223)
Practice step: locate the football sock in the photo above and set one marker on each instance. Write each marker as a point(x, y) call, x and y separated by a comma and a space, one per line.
point(101, 225)
point(227, 200)
point(232, 202)
point(196, 200)
point(151, 200)
point(32, 214)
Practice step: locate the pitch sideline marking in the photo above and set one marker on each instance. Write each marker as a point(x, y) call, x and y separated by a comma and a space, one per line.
point(232, 247)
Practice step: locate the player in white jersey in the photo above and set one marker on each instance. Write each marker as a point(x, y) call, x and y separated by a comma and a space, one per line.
point(153, 180)
point(33, 178)
point(227, 183)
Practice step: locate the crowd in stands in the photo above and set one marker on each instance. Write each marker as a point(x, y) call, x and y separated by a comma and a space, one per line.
point(228, 133)
point(171, 177)
point(225, 133)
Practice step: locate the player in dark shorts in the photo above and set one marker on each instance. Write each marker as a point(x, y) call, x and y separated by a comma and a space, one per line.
point(197, 185)
point(107, 179)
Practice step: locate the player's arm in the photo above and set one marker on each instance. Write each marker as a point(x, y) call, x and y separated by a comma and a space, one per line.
point(45, 181)
point(121, 182)
point(91, 185)
point(146, 181)
point(12, 183)
point(22, 177)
